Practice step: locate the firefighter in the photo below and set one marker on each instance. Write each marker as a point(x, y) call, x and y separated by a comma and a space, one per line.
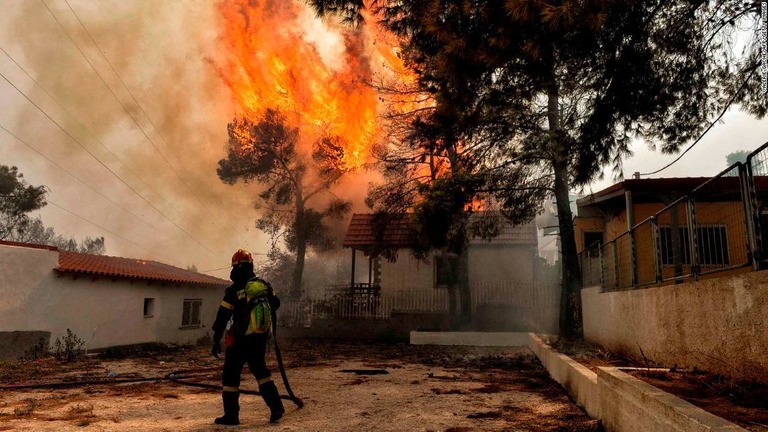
point(249, 302)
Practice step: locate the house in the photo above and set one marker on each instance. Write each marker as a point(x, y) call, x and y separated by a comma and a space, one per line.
point(106, 301)
point(674, 269)
point(501, 271)
point(649, 224)
point(506, 258)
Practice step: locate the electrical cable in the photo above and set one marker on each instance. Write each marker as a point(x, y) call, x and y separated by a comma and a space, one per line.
point(57, 165)
point(83, 126)
point(91, 134)
point(105, 166)
point(97, 225)
point(744, 85)
point(133, 98)
point(177, 377)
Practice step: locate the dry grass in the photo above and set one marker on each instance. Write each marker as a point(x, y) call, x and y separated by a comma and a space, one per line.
point(27, 409)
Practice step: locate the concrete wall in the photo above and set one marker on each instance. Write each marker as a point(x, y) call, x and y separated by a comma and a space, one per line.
point(624, 403)
point(398, 327)
point(716, 324)
point(103, 312)
point(17, 344)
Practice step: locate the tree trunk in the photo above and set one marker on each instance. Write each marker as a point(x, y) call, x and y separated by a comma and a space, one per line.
point(465, 293)
point(445, 272)
point(570, 300)
point(301, 248)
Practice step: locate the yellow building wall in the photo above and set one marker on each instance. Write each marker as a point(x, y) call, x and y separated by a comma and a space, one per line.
point(586, 224)
point(727, 214)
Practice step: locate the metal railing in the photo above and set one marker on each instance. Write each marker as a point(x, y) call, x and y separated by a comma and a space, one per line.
point(377, 306)
point(721, 225)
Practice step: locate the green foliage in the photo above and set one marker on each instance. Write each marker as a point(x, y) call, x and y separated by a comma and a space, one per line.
point(290, 183)
point(440, 215)
point(38, 351)
point(68, 348)
point(561, 87)
point(37, 233)
point(737, 156)
point(17, 199)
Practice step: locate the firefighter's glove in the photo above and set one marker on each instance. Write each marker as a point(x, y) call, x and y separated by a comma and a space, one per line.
point(216, 350)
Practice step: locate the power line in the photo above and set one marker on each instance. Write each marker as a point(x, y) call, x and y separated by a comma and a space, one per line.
point(96, 225)
point(83, 126)
point(135, 101)
point(77, 178)
point(72, 116)
point(122, 105)
point(105, 166)
point(744, 85)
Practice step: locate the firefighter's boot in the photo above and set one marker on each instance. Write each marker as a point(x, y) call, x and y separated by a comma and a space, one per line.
point(269, 392)
point(231, 409)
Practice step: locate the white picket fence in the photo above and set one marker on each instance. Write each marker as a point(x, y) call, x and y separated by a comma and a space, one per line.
point(537, 295)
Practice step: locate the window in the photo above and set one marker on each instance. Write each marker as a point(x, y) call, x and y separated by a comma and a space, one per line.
point(712, 242)
point(191, 314)
point(149, 307)
point(592, 243)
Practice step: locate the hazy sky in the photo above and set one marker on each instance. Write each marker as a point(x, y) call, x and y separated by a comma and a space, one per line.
point(150, 177)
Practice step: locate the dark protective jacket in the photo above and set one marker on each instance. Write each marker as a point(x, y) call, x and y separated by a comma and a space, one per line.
point(234, 305)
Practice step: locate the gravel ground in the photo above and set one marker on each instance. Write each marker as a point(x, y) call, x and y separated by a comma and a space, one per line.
point(415, 389)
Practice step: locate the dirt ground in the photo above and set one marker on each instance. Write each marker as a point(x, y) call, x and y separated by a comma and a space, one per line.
point(415, 388)
point(742, 402)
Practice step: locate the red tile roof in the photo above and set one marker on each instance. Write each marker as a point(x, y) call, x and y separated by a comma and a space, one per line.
point(363, 232)
point(131, 268)
point(400, 232)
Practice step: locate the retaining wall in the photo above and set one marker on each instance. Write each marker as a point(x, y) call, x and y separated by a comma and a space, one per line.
point(717, 325)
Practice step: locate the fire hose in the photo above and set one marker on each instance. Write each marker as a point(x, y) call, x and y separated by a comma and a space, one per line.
point(178, 377)
point(299, 403)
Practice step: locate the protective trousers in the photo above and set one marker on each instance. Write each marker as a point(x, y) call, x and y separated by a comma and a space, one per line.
point(249, 349)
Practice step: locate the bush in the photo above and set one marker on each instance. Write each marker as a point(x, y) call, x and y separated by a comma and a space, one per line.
point(68, 348)
point(38, 351)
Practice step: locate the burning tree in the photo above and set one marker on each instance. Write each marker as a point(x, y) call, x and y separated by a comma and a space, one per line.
point(566, 85)
point(267, 152)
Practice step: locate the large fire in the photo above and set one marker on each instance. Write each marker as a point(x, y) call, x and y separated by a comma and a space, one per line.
point(278, 55)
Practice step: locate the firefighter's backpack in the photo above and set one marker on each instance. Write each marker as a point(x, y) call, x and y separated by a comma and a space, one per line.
point(259, 311)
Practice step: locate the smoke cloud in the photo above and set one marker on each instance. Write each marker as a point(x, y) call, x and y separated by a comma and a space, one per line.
point(148, 87)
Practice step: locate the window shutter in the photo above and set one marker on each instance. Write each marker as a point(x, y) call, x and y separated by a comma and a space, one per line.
point(186, 313)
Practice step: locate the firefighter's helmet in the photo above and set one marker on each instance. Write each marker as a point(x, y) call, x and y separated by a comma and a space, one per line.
point(242, 256)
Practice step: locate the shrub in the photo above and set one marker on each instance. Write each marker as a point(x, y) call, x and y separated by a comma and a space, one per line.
point(68, 348)
point(38, 351)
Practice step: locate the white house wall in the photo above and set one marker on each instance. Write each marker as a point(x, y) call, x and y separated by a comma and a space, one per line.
point(101, 311)
point(488, 264)
point(407, 273)
point(491, 263)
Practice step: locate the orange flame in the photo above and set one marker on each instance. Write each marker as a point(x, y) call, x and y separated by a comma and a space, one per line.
point(278, 55)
